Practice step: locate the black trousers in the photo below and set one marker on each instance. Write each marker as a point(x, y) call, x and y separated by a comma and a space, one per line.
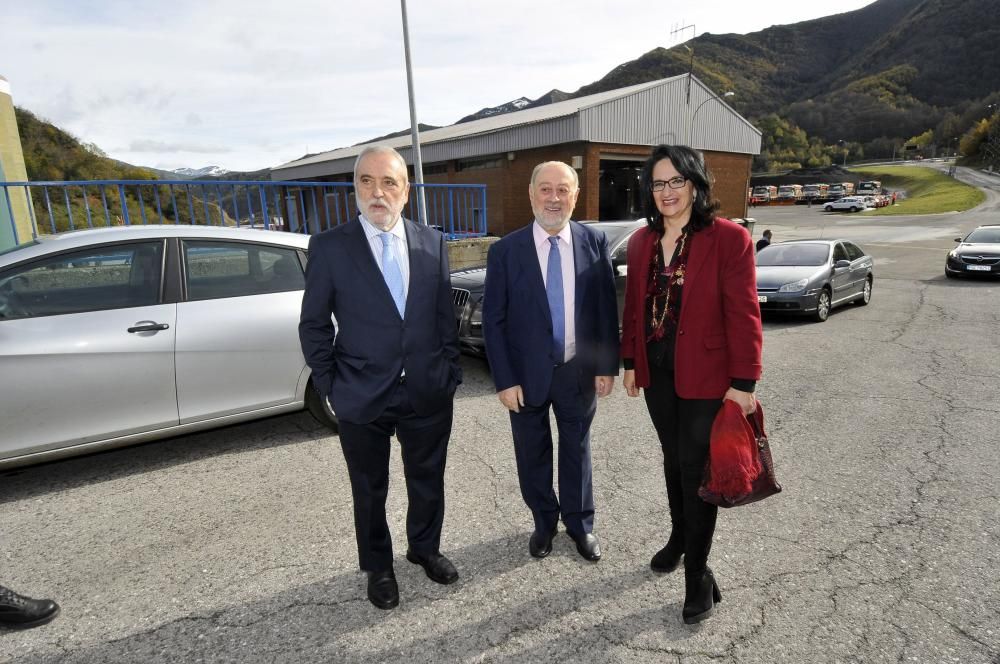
point(424, 447)
point(684, 427)
point(573, 399)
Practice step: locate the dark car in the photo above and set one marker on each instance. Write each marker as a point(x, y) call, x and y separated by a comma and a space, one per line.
point(467, 285)
point(977, 254)
point(812, 277)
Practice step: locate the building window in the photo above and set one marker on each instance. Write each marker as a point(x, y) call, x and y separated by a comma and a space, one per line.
point(436, 169)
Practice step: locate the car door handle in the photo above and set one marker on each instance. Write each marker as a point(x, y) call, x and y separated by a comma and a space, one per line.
point(148, 326)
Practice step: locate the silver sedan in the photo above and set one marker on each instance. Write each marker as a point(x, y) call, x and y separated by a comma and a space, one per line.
point(114, 336)
point(813, 276)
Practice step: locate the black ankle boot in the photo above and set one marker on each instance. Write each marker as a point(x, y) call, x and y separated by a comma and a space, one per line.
point(701, 593)
point(668, 558)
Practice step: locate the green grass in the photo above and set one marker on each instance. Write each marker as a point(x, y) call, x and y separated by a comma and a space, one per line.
point(928, 191)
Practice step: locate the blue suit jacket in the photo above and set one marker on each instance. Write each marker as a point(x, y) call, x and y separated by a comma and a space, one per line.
point(358, 363)
point(517, 324)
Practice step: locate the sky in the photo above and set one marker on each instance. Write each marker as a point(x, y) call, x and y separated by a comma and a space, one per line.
point(248, 85)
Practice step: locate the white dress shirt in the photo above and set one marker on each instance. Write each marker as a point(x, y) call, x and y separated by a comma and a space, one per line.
point(398, 245)
point(543, 247)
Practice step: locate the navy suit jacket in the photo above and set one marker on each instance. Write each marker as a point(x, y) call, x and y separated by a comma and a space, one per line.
point(357, 362)
point(517, 324)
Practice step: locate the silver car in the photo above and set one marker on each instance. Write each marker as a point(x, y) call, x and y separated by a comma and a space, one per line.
point(813, 276)
point(114, 336)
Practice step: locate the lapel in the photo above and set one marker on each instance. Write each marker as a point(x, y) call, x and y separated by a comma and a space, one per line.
point(420, 255)
point(528, 256)
point(361, 252)
point(702, 248)
point(649, 239)
point(582, 260)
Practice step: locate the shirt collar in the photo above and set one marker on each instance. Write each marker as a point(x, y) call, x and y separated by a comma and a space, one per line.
point(371, 230)
point(542, 236)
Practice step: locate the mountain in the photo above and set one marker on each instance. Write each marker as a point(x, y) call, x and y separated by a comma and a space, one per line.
point(53, 154)
point(519, 104)
point(207, 171)
point(868, 81)
point(873, 77)
point(516, 105)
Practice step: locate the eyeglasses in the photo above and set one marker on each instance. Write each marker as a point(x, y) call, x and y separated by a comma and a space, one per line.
point(675, 182)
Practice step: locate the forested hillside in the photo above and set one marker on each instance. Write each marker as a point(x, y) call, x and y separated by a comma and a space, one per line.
point(870, 81)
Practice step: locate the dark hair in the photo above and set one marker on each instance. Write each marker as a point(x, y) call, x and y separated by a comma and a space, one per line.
point(767, 233)
point(691, 165)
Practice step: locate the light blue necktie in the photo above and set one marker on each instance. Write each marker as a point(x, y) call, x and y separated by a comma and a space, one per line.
point(392, 274)
point(557, 306)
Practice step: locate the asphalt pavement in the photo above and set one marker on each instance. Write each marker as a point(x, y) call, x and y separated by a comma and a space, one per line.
point(237, 545)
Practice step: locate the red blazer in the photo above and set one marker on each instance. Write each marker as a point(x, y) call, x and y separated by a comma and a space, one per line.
point(719, 334)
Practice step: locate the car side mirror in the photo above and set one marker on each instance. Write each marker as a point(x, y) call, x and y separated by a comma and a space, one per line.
point(958, 239)
point(841, 264)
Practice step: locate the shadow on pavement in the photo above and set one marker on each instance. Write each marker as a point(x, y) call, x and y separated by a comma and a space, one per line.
point(62, 474)
point(323, 622)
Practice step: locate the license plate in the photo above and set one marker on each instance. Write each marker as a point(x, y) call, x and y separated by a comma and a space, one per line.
point(978, 268)
point(763, 298)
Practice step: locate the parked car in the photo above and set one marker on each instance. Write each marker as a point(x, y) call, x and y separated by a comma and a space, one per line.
point(120, 335)
point(852, 203)
point(467, 285)
point(812, 277)
point(977, 254)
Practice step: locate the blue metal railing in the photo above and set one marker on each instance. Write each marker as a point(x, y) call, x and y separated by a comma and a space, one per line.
point(301, 207)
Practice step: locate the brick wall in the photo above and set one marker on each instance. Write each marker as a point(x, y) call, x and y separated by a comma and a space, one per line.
point(732, 177)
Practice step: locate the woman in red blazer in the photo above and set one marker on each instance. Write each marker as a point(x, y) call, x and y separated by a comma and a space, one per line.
point(691, 337)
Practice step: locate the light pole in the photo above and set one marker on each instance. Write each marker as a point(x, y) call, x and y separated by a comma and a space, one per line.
point(418, 166)
point(844, 143)
point(714, 97)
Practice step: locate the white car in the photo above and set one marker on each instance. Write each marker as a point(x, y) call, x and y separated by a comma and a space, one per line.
point(116, 336)
point(850, 203)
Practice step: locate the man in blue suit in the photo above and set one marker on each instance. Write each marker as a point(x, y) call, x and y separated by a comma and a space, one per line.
point(550, 321)
point(389, 363)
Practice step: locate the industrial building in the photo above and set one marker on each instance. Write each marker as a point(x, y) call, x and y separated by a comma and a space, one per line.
point(604, 136)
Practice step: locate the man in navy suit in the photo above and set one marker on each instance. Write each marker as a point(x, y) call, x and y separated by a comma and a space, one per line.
point(550, 321)
point(390, 365)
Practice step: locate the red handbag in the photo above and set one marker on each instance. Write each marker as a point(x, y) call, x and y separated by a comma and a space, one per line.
point(739, 469)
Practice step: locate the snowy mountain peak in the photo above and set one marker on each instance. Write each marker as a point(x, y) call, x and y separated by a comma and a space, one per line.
point(201, 172)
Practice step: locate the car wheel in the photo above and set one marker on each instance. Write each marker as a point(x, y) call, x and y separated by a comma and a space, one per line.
point(319, 409)
point(854, 209)
point(949, 274)
point(829, 208)
point(822, 306)
point(866, 293)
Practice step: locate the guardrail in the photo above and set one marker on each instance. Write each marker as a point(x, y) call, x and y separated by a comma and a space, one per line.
point(300, 207)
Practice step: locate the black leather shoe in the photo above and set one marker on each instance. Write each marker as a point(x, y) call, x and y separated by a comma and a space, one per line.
point(382, 589)
point(439, 569)
point(666, 559)
point(22, 612)
point(540, 544)
point(701, 593)
point(587, 546)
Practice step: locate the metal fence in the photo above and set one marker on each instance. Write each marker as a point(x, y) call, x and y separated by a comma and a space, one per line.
point(300, 207)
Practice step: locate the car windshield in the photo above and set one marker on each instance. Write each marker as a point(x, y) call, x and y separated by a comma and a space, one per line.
point(984, 235)
point(794, 254)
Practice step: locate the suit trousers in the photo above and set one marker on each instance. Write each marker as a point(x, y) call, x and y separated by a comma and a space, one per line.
point(684, 428)
point(423, 444)
point(573, 399)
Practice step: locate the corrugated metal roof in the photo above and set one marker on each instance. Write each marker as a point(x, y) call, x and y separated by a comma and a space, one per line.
point(644, 114)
